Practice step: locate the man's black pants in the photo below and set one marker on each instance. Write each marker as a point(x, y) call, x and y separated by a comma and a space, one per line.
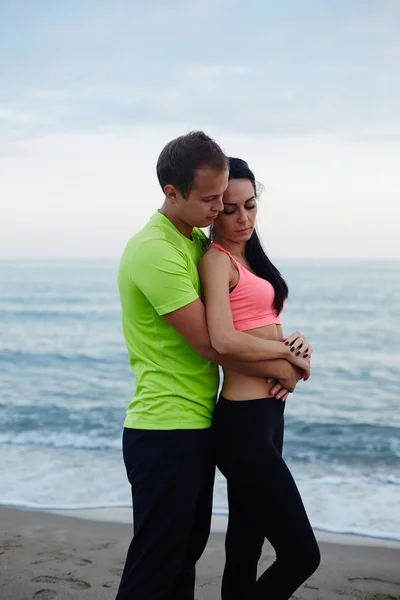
point(171, 475)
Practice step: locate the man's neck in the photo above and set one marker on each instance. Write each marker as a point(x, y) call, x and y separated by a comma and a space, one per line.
point(184, 228)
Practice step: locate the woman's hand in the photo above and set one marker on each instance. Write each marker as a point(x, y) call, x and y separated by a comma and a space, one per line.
point(299, 345)
point(298, 354)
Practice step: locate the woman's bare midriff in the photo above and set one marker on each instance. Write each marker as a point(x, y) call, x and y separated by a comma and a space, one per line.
point(243, 387)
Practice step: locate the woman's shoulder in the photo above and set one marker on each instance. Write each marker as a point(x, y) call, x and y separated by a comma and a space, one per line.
point(213, 257)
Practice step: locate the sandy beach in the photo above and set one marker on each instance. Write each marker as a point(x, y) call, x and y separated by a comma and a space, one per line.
point(47, 556)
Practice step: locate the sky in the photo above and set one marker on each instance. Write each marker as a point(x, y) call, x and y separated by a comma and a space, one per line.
point(307, 92)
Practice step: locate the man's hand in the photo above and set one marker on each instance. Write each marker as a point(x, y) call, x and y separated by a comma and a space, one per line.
point(278, 391)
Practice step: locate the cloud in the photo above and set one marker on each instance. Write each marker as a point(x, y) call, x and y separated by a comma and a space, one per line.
point(308, 92)
point(261, 68)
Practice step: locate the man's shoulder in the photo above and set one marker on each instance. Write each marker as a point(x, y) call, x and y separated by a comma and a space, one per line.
point(152, 244)
point(150, 234)
point(158, 238)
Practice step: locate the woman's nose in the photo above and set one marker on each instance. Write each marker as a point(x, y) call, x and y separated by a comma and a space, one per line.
point(242, 218)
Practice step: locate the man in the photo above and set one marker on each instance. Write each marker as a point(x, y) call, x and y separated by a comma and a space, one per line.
point(166, 440)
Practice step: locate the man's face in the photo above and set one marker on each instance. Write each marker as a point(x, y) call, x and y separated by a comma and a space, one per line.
point(204, 202)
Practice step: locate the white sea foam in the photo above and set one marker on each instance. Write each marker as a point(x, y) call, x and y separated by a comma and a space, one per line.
point(69, 440)
point(337, 501)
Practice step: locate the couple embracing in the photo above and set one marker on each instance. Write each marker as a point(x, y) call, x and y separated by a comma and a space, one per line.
point(190, 303)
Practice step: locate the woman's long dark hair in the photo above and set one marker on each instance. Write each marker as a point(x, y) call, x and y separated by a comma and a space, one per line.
point(254, 252)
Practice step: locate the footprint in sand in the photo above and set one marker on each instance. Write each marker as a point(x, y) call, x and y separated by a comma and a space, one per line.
point(75, 584)
point(382, 597)
point(311, 587)
point(10, 544)
point(104, 546)
point(349, 594)
point(364, 595)
point(44, 595)
point(61, 557)
point(109, 584)
point(116, 571)
point(377, 579)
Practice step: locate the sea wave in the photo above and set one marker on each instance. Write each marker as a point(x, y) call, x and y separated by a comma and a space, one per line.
point(59, 313)
point(41, 357)
point(65, 440)
point(72, 423)
point(356, 531)
point(349, 442)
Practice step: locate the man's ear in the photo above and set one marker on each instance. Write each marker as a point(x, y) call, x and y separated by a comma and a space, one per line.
point(171, 192)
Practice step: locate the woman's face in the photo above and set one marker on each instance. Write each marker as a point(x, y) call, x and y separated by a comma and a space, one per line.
point(237, 221)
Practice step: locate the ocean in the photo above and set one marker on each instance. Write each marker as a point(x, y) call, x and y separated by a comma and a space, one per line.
point(65, 383)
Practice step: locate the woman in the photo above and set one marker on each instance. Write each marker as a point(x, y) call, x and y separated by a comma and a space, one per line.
point(244, 292)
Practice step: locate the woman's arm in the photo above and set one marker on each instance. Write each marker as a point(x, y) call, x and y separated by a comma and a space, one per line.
point(190, 322)
point(214, 269)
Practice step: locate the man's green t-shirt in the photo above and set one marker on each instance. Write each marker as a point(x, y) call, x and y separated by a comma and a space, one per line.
point(175, 387)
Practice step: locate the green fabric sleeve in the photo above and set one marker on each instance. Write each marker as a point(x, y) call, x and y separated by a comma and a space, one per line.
point(161, 272)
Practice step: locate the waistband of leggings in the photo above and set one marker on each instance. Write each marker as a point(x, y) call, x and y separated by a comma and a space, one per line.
point(243, 402)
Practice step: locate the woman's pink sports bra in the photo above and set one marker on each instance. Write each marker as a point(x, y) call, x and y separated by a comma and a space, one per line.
point(252, 300)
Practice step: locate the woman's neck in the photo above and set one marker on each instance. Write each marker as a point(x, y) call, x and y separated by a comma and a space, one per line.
point(237, 249)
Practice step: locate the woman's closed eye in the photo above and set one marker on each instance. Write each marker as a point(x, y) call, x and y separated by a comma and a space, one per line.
point(231, 212)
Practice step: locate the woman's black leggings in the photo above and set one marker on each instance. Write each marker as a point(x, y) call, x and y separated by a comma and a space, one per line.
point(264, 502)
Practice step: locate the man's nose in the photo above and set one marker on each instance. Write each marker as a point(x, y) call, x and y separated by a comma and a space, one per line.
point(219, 205)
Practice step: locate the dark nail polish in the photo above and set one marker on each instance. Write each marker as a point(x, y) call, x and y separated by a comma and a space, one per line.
point(305, 356)
point(297, 353)
point(292, 349)
point(287, 343)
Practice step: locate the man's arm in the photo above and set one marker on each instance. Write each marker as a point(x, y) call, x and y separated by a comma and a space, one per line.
point(190, 322)
point(160, 271)
point(281, 369)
